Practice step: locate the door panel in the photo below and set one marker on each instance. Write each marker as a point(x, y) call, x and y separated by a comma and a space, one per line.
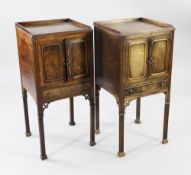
point(159, 56)
point(136, 60)
point(51, 63)
point(76, 58)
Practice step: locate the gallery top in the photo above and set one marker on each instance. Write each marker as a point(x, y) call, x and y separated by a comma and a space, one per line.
point(52, 26)
point(132, 26)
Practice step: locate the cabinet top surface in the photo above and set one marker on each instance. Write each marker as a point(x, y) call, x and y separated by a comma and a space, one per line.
point(52, 26)
point(133, 26)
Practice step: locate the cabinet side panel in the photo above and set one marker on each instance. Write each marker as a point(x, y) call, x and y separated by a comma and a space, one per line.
point(26, 62)
point(107, 60)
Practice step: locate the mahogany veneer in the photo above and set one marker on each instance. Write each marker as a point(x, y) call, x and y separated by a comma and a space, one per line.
point(56, 62)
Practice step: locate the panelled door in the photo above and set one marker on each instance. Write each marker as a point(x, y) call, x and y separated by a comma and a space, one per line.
point(63, 60)
point(159, 56)
point(146, 58)
point(51, 60)
point(76, 58)
point(135, 61)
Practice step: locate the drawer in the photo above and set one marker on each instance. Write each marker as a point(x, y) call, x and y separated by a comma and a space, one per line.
point(155, 87)
point(53, 94)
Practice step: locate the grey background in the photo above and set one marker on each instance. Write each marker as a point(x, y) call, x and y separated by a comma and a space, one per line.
point(67, 147)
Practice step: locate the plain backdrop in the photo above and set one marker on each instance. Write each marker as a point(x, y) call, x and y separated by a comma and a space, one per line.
point(68, 147)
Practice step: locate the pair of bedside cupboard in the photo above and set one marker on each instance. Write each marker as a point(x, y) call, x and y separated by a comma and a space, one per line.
point(56, 62)
point(133, 58)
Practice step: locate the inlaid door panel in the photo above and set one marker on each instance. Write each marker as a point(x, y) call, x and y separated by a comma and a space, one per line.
point(76, 58)
point(136, 60)
point(51, 63)
point(159, 56)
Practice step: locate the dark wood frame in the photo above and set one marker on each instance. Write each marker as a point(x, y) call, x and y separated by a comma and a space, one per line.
point(110, 66)
point(30, 75)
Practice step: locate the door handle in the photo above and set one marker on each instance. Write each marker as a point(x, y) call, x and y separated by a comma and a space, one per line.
point(130, 91)
point(150, 61)
point(69, 62)
point(150, 65)
point(163, 84)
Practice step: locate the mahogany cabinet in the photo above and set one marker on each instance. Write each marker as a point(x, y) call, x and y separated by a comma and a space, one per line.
point(133, 58)
point(56, 62)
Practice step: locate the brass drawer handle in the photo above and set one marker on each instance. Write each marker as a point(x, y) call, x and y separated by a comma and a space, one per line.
point(69, 63)
point(130, 91)
point(162, 85)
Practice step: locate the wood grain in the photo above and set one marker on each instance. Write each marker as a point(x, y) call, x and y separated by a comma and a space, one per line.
point(56, 62)
point(133, 59)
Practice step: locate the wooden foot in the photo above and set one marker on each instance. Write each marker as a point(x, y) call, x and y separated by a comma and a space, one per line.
point(72, 123)
point(164, 141)
point(92, 143)
point(121, 154)
point(97, 131)
point(43, 157)
point(137, 121)
point(28, 134)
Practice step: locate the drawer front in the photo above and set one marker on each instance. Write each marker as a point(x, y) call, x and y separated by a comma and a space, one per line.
point(53, 94)
point(147, 89)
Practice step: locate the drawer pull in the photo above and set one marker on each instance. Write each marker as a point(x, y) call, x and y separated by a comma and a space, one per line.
point(69, 63)
point(130, 91)
point(162, 85)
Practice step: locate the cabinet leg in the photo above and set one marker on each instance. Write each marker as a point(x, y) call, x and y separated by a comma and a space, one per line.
point(121, 152)
point(72, 112)
point(92, 122)
point(138, 111)
point(41, 134)
point(166, 117)
point(97, 130)
point(25, 104)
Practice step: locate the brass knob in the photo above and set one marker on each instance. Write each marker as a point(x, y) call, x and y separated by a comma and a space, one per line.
point(162, 85)
point(150, 61)
point(69, 63)
point(130, 91)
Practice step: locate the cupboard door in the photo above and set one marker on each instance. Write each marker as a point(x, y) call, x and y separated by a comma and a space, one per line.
point(136, 60)
point(76, 58)
point(51, 62)
point(159, 56)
